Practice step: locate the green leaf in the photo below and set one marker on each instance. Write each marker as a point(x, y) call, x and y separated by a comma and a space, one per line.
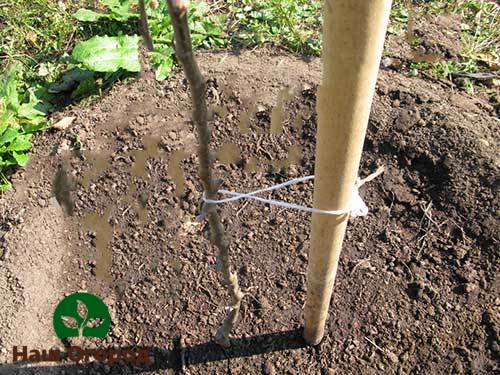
point(21, 159)
point(118, 11)
point(112, 3)
point(163, 70)
point(31, 128)
point(122, 13)
point(9, 162)
point(108, 54)
point(69, 80)
point(4, 183)
point(28, 111)
point(87, 15)
point(8, 88)
point(7, 120)
point(85, 88)
point(21, 143)
point(9, 135)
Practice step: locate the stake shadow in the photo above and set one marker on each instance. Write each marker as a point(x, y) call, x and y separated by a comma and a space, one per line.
point(177, 359)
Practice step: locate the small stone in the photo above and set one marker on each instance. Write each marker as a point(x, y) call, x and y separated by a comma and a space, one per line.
point(306, 87)
point(391, 63)
point(392, 357)
point(64, 123)
point(460, 252)
point(269, 369)
point(382, 89)
point(172, 135)
point(470, 287)
point(457, 367)
point(260, 108)
point(41, 202)
point(140, 120)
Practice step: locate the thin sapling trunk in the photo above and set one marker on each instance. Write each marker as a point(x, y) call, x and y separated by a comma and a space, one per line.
point(184, 53)
point(148, 41)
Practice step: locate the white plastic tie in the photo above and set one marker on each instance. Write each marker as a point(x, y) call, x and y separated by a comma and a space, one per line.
point(356, 207)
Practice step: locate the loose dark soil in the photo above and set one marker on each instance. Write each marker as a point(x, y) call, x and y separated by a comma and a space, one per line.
point(417, 287)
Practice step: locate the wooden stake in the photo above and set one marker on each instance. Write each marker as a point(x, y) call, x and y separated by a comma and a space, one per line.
point(353, 39)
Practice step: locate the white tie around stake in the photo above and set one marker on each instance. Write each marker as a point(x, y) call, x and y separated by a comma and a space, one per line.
point(357, 206)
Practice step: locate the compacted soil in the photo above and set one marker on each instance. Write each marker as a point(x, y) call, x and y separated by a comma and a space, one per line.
point(109, 206)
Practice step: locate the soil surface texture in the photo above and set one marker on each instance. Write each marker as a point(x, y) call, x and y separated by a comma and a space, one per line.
point(109, 206)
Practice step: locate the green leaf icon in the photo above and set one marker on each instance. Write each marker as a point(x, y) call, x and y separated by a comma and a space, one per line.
point(69, 322)
point(81, 314)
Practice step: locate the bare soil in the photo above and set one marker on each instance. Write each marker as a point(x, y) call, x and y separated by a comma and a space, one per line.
point(417, 287)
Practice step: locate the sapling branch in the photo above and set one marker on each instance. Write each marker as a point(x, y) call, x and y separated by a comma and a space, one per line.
point(148, 41)
point(184, 53)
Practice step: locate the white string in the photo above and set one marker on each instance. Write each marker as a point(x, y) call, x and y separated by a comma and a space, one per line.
point(356, 207)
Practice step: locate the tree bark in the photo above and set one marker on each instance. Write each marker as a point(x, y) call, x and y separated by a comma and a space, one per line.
point(148, 41)
point(184, 53)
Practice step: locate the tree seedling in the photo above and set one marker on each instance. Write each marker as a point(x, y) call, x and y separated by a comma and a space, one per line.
point(184, 53)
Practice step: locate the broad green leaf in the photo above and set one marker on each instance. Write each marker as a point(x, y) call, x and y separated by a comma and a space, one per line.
point(118, 11)
point(85, 88)
point(21, 143)
point(28, 110)
point(3, 127)
point(7, 119)
point(21, 159)
point(31, 128)
point(163, 70)
point(108, 54)
point(122, 13)
point(87, 15)
point(198, 27)
point(8, 88)
point(69, 80)
point(197, 39)
point(8, 162)
point(45, 98)
point(8, 136)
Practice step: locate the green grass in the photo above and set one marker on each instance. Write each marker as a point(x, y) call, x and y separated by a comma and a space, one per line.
point(35, 31)
point(294, 25)
point(19, 118)
point(480, 35)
